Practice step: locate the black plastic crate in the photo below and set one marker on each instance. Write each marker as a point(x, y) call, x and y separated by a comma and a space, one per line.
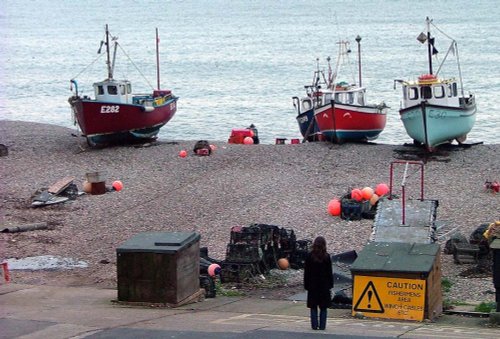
point(287, 240)
point(238, 272)
point(270, 234)
point(246, 235)
point(245, 253)
point(352, 209)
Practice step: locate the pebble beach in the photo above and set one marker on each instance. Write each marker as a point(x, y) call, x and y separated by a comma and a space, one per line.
point(238, 185)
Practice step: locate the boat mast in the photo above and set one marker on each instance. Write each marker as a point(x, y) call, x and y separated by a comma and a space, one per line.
point(110, 72)
point(157, 60)
point(429, 44)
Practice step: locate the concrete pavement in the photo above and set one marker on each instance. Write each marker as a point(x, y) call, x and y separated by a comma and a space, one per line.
point(29, 311)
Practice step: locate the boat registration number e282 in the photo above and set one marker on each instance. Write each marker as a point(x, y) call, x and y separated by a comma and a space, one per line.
point(110, 109)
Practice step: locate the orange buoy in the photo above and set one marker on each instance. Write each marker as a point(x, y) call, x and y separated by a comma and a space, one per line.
point(367, 193)
point(374, 199)
point(87, 187)
point(283, 264)
point(334, 207)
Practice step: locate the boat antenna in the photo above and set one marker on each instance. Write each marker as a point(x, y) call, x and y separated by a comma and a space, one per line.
point(330, 74)
point(358, 40)
point(316, 75)
point(114, 54)
point(110, 72)
point(157, 60)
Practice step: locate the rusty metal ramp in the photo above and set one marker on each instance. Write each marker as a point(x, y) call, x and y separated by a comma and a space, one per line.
point(412, 223)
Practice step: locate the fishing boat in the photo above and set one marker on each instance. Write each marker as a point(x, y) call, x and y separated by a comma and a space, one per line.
point(338, 111)
point(117, 115)
point(434, 109)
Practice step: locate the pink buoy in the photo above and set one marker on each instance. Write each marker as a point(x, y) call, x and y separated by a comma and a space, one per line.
point(248, 141)
point(381, 189)
point(213, 270)
point(356, 194)
point(117, 185)
point(183, 154)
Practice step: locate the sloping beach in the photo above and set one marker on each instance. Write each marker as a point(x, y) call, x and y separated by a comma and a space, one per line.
point(285, 185)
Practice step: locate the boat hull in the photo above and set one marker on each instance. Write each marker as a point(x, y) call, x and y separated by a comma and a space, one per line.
point(308, 126)
point(341, 122)
point(109, 121)
point(433, 125)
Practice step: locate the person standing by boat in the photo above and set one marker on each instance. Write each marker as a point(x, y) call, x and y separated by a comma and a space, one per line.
point(318, 280)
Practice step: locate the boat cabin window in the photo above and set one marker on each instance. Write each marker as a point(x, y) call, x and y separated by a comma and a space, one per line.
point(439, 92)
point(122, 89)
point(112, 89)
point(350, 98)
point(361, 98)
point(413, 93)
point(426, 92)
point(100, 90)
point(345, 98)
point(453, 90)
point(306, 105)
point(129, 88)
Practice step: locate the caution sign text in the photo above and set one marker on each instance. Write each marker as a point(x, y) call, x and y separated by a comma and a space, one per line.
point(385, 297)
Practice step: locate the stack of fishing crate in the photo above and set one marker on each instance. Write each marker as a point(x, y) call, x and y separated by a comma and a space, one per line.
point(244, 254)
point(255, 249)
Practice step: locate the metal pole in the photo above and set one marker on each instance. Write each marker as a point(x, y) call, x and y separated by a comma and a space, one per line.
point(157, 60)
point(390, 180)
point(358, 40)
point(110, 73)
point(403, 202)
point(429, 45)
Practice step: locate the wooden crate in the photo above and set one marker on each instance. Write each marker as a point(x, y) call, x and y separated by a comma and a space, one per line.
point(159, 267)
point(466, 253)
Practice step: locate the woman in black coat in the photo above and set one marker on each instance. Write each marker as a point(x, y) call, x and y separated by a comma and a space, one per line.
point(318, 280)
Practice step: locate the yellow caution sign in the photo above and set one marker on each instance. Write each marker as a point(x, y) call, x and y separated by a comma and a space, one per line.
point(385, 297)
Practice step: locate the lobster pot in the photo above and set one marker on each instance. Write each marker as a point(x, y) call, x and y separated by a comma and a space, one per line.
point(398, 281)
point(159, 267)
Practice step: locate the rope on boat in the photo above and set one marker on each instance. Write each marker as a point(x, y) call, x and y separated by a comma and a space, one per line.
point(88, 66)
point(454, 48)
point(137, 68)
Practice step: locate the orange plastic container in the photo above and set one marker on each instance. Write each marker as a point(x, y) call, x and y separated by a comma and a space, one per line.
point(239, 134)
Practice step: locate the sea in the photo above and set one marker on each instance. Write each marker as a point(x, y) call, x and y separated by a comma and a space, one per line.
point(236, 63)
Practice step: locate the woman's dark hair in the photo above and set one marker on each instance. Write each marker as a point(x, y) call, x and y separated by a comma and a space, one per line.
point(318, 252)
